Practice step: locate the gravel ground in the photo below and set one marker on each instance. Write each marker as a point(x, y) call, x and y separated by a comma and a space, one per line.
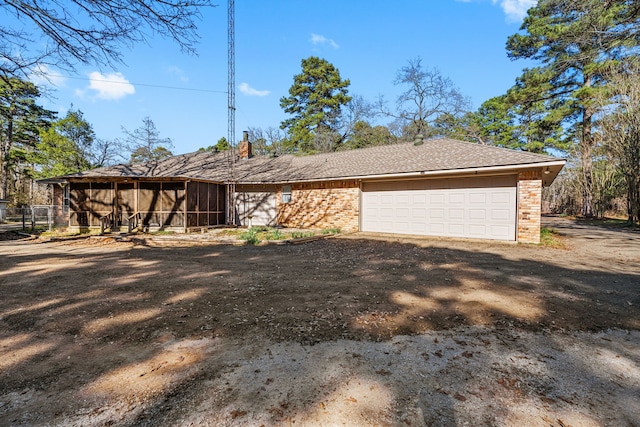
point(352, 330)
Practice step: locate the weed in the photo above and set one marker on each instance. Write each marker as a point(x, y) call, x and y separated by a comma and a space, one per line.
point(301, 234)
point(250, 236)
point(334, 230)
point(163, 232)
point(549, 237)
point(275, 234)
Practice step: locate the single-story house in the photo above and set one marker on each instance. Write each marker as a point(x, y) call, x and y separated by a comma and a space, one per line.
point(435, 187)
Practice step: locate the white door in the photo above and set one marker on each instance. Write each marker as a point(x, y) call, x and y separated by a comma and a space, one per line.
point(256, 208)
point(483, 208)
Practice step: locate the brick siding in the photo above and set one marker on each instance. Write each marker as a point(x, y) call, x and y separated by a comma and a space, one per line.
point(321, 205)
point(529, 206)
point(60, 214)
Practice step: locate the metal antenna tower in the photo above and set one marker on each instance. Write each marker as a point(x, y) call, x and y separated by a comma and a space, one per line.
point(231, 90)
point(231, 112)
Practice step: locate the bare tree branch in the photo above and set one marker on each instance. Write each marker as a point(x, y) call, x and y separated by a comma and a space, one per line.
point(67, 32)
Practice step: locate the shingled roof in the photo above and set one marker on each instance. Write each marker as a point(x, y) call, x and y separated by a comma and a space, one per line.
point(433, 156)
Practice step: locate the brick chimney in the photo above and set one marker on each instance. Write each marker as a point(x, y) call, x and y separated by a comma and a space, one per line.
point(244, 148)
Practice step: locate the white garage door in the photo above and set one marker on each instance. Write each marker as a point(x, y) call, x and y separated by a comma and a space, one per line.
point(483, 208)
point(255, 208)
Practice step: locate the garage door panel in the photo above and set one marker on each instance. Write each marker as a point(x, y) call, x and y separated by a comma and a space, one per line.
point(457, 213)
point(498, 230)
point(460, 207)
point(436, 228)
point(386, 213)
point(477, 214)
point(477, 230)
point(402, 213)
point(402, 199)
point(500, 214)
point(455, 198)
point(500, 197)
point(436, 199)
point(456, 229)
point(419, 214)
point(387, 199)
point(436, 213)
point(478, 198)
point(419, 200)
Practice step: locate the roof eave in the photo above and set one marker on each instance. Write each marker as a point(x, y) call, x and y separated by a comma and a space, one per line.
point(553, 167)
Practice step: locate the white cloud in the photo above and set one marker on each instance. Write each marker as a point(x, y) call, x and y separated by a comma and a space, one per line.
point(318, 39)
point(249, 91)
point(515, 10)
point(42, 75)
point(110, 86)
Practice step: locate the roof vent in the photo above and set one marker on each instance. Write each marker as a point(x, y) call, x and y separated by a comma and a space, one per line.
point(419, 139)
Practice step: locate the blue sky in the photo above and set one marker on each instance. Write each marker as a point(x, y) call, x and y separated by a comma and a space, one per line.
point(368, 41)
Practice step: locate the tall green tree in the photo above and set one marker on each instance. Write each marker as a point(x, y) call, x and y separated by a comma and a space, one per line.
point(21, 120)
point(573, 41)
point(66, 147)
point(221, 145)
point(315, 101)
point(364, 135)
point(496, 123)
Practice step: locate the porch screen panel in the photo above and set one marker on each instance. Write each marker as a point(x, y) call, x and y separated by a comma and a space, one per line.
point(222, 205)
point(150, 203)
point(203, 204)
point(126, 201)
point(173, 204)
point(101, 201)
point(192, 196)
point(79, 203)
point(192, 203)
point(213, 197)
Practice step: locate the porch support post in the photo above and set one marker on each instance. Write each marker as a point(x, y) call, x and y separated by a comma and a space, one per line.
point(186, 203)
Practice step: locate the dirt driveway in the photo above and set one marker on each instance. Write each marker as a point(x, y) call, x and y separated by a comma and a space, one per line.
point(353, 330)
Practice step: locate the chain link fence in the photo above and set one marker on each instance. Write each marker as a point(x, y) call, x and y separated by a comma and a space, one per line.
point(28, 217)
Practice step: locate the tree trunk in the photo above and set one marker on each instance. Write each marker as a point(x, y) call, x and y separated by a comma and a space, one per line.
point(5, 147)
point(586, 151)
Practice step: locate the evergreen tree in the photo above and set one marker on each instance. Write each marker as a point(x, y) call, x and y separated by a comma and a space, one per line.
point(21, 121)
point(573, 40)
point(315, 100)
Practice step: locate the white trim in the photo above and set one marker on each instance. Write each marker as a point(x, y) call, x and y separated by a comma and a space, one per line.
point(489, 169)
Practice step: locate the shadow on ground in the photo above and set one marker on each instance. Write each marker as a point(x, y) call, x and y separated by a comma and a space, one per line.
point(106, 332)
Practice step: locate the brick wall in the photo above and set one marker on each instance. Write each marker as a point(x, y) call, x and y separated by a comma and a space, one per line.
point(321, 205)
point(529, 206)
point(60, 214)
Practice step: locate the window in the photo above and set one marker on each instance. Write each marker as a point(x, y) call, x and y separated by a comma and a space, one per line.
point(286, 194)
point(65, 198)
